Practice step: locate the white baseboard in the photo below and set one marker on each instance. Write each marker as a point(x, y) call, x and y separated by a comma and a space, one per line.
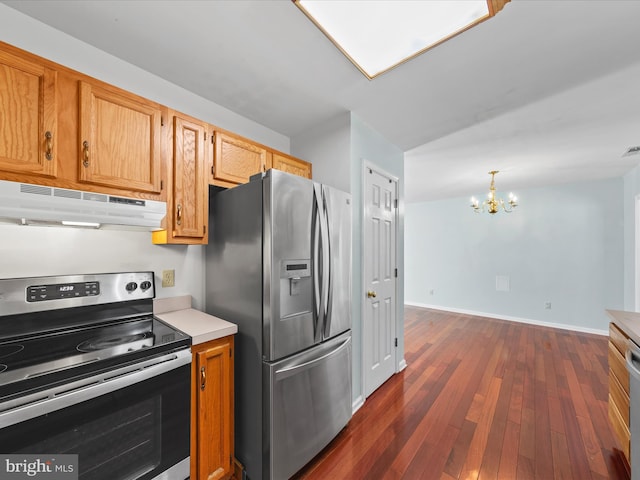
point(402, 365)
point(357, 404)
point(562, 326)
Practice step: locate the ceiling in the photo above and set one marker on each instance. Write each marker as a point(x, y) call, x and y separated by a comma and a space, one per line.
point(547, 92)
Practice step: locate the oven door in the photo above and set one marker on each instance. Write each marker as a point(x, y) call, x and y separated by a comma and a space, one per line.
point(129, 423)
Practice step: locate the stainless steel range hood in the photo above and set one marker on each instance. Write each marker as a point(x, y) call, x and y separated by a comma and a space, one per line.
point(38, 204)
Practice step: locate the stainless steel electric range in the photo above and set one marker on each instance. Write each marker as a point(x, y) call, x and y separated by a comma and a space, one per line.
point(86, 369)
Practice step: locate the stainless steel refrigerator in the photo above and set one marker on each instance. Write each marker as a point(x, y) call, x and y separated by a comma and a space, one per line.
point(279, 266)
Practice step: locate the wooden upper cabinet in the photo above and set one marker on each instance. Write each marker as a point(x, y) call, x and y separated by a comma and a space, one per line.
point(27, 117)
point(235, 159)
point(119, 139)
point(290, 164)
point(188, 198)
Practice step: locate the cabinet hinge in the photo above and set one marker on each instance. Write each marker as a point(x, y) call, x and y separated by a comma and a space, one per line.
point(396, 342)
point(213, 137)
point(161, 121)
point(205, 136)
point(395, 203)
point(161, 184)
point(395, 271)
point(204, 230)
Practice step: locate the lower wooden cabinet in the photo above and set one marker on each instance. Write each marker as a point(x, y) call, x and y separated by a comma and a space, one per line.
point(212, 410)
point(619, 389)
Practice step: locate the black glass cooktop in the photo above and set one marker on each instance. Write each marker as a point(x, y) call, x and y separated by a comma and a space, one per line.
point(47, 358)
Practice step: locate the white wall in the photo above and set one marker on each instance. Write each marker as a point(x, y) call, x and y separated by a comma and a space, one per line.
point(28, 251)
point(327, 147)
point(563, 245)
point(631, 286)
point(33, 251)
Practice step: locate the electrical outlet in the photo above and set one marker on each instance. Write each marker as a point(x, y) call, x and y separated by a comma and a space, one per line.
point(168, 278)
point(547, 305)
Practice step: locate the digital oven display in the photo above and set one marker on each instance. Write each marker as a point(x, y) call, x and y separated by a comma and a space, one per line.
point(58, 291)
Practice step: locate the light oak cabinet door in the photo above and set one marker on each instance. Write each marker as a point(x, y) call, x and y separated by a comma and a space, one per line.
point(27, 117)
point(290, 164)
point(212, 410)
point(188, 198)
point(235, 159)
point(120, 139)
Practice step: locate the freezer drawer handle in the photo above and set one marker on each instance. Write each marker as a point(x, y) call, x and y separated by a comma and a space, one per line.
point(289, 371)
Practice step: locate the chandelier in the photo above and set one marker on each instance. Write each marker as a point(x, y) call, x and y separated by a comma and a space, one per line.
point(493, 204)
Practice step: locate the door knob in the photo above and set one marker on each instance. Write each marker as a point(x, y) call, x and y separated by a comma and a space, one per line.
point(371, 294)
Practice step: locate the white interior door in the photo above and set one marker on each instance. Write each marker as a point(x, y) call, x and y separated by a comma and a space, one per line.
point(379, 312)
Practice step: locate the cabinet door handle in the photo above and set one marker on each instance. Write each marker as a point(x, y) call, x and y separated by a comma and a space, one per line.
point(179, 214)
point(85, 153)
point(203, 378)
point(49, 145)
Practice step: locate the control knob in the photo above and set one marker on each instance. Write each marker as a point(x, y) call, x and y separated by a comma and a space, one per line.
point(131, 286)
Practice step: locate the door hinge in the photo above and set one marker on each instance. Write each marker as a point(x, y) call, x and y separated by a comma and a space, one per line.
point(396, 342)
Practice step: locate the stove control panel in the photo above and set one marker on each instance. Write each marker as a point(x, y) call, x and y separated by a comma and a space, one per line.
point(36, 294)
point(57, 291)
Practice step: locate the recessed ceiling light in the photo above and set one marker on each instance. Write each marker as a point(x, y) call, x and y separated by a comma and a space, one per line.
point(378, 35)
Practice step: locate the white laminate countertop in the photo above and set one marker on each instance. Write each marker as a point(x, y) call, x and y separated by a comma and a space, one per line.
point(200, 326)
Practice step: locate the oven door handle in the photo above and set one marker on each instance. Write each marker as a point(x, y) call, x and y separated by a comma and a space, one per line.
point(56, 398)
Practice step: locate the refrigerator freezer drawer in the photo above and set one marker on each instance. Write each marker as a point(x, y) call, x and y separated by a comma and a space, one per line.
point(310, 396)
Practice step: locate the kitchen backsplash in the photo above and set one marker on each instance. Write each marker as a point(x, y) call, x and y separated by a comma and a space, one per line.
point(34, 251)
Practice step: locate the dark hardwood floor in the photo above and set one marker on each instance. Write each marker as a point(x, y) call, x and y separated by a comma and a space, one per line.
point(482, 399)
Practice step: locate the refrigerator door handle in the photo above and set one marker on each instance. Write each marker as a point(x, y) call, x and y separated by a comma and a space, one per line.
point(329, 270)
point(293, 370)
point(316, 238)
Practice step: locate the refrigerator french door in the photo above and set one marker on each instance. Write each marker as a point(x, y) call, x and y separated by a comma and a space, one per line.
point(279, 266)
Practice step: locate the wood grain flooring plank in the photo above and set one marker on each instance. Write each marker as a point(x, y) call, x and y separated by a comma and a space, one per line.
point(560, 452)
point(458, 452)
point(473, 462)
point(509, 453)
point(543, 454)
